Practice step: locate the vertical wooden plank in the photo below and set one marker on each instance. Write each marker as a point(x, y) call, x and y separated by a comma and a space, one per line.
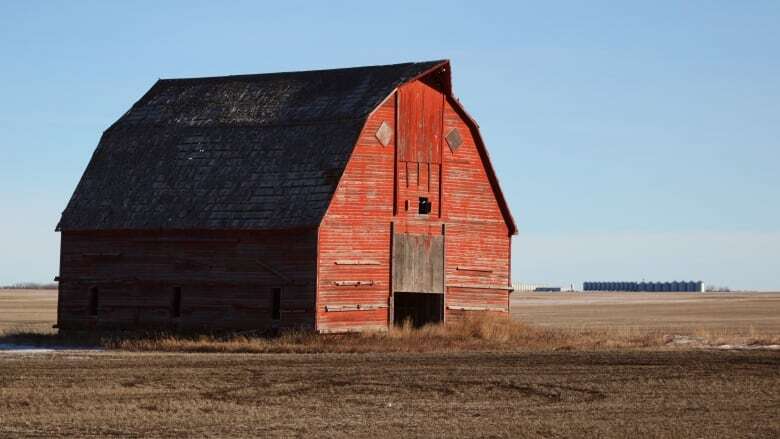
point(391, 298)
point(420, 123)
point(444, 273)
point(440, 180)
point(395, 144)
point(433, 116)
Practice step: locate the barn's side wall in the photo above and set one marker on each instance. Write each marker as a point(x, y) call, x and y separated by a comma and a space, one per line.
point(226, 279)
point(477, 240)
point(354, 237)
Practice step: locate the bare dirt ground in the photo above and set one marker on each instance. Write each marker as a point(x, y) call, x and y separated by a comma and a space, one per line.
point(564, 394)
point(643, 392)
point(674, 313)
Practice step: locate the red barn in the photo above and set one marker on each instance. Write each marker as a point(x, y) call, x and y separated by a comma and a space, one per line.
point(336, 200)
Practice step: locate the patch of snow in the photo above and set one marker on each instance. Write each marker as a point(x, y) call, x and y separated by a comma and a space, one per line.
point(684, 340)
point(8, 348)
point(26, 351)
point(753, 347)
point(701, 343)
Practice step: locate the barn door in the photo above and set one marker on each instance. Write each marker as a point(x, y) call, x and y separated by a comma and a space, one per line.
point(418, 278)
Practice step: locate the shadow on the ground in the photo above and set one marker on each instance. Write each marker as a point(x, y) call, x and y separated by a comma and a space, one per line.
point(110, 339)
point(49, 340)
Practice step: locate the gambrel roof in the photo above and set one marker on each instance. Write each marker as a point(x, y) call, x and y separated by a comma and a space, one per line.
point(234, 152)
point(247, 152)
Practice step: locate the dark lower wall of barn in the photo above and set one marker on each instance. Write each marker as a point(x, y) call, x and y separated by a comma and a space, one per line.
point(187, 280)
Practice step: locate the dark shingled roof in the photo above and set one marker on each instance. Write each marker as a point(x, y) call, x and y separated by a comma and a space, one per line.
point(235, 152)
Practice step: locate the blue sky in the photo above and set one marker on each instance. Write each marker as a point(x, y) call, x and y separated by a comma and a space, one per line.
point(632, 140)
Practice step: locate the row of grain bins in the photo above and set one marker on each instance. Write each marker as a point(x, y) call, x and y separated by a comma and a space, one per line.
point(682, 286)
point(539, 288)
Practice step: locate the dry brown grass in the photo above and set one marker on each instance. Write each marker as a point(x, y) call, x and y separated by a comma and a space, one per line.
point(559, 322)
point(479, 334)
point(473, 334)
point(726, 336)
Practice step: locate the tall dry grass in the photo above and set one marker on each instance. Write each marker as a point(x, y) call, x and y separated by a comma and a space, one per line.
point(471, 334)
point(479, 333)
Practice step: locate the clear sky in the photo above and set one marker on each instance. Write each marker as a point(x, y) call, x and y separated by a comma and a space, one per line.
point(631, 140)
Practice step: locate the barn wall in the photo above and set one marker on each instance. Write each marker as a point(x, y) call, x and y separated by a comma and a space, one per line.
point(378, 196)
point(477, 247)
point(354, 237)
point(464, 204)
point(226, 279)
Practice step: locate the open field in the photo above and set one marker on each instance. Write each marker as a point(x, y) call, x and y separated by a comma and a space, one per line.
point(555, 394)
point(672, 313)
point(28, 310)
point(587, 366)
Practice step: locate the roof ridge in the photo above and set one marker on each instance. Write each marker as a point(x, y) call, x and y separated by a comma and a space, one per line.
point(292, 72)
point(253, 124)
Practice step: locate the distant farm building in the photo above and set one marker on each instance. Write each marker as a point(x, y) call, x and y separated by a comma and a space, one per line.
point(676, 286)
point(335, 200)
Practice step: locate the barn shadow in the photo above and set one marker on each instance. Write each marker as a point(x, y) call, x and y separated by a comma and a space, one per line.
point(54, 340)
point(107, 338)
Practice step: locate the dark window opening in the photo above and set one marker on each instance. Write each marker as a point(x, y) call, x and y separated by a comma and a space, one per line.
point(276, 304)
point(93, 301)
point(176, 303)
point(425, 206)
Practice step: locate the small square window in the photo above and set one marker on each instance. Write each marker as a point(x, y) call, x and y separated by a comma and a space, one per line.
point(425, 206)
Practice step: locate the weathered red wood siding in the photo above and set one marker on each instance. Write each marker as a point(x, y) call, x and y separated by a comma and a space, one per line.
point(378, 195)
point(419, 123)
point(477, 248)
point(420, 111)
point(354, 237)
point(226, 278)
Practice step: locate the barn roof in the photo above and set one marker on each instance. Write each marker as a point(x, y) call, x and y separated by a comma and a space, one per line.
point(233, 152)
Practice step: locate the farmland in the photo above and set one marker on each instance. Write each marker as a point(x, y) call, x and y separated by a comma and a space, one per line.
point(575, 392)
point(571, 394)
point(27, 310)
point(668, 312)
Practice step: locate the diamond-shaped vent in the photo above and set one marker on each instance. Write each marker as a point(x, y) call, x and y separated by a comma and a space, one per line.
point(384, 134)
point(453, 139)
